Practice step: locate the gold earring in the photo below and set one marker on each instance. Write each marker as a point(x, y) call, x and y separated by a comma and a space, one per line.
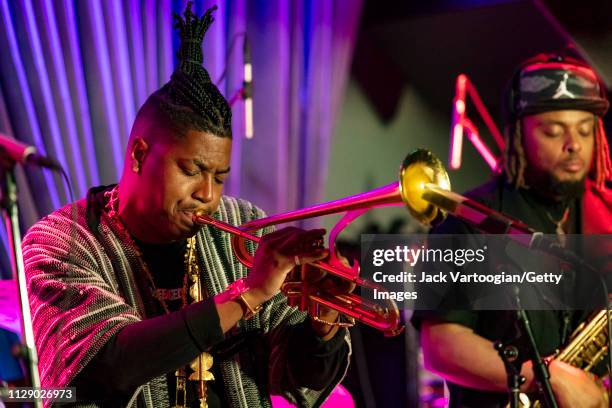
point(136, 166)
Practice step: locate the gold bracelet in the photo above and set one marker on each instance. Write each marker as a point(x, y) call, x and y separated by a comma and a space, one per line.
point(235, 292)
point(349, 323)
point(247, 310)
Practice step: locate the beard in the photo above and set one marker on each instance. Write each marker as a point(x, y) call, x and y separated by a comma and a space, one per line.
point(567, 189)
point(549, 185)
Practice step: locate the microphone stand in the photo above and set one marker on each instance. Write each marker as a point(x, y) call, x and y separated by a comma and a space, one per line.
point(540, 369)
point(8, 206)
point(493, 222)
point(509, 353)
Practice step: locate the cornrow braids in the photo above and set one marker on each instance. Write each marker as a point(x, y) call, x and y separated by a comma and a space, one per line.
point(190, 100)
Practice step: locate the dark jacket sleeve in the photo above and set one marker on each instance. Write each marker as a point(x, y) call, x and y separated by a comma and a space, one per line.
point(150, 348)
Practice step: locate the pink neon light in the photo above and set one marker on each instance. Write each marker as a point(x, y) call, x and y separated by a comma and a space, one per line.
point(486, 117)
point(462, 79)
point(456, 146)
point(464, 87)
point(460, 107)
point(474, 137)
point(457, 123)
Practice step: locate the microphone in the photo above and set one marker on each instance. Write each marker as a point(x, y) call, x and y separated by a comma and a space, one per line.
point(541, 242)
point(16, 152)
point(490, 221)
point(247, 89)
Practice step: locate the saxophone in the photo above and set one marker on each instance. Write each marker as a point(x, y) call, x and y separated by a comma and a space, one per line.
point(587, 347)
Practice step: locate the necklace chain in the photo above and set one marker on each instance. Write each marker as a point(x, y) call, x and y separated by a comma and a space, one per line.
point(559, 225)
point(203, 363)
point(112, 207)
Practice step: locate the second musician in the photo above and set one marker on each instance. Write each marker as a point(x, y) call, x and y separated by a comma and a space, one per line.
point(556, 165)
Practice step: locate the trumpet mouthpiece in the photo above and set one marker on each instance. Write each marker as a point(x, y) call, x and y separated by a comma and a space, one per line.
point(199, 213)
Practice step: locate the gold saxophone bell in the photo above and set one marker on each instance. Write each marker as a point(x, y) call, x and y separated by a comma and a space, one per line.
point(420, 172)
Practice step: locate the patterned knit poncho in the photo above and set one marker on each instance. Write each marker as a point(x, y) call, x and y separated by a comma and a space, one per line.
point(82, 291)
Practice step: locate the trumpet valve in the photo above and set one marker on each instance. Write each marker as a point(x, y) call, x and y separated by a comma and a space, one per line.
point(295, 295)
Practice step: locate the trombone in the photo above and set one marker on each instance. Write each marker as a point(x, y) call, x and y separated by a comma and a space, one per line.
point(420, 172)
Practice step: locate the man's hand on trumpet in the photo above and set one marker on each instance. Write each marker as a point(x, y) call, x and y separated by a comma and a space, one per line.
point(317, 280)
point(282, 251)
point(278, 253)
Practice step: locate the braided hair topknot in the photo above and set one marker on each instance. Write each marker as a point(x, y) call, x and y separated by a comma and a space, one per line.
point(192, 30)
point(190, 100)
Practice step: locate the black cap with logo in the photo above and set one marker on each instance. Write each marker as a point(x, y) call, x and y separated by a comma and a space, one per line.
point(552, 82)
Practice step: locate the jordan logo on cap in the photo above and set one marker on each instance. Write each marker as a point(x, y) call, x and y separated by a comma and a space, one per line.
point(562, 89)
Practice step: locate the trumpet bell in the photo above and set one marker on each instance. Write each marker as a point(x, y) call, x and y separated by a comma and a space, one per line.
point(419, 170)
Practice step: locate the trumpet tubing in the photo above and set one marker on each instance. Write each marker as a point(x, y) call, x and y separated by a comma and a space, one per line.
point(384, 318)
point(420, 171)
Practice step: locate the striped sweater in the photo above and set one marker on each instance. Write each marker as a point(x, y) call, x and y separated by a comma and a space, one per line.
point(82, 291)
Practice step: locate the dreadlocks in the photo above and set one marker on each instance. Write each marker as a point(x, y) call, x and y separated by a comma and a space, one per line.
point(189, 100)
point(514, 159)
point(515, 162)
point(602, 165)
